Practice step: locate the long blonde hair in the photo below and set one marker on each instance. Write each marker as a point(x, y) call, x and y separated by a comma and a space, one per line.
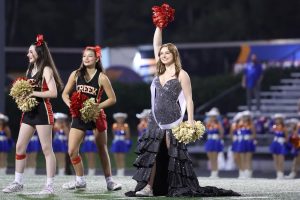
point(161, 68)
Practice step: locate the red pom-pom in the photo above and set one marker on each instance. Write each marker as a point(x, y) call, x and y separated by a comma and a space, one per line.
point(21, 78)
point(162, 15)
point(18, 79)
point(295, 141)
point(101, 123)
point(77, 100)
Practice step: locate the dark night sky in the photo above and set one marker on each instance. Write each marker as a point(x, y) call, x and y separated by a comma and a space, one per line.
point(70, 23)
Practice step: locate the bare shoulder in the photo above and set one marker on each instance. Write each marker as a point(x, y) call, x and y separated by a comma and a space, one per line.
point(103, 77)
point(48, 70)
point(74, 73)
point(183, 75)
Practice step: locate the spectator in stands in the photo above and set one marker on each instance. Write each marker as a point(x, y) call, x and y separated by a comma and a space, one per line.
point(251, 81)
point(261, 125)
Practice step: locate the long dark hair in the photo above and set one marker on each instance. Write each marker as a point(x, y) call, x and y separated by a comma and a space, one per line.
point(45, 59)
point(82, 69)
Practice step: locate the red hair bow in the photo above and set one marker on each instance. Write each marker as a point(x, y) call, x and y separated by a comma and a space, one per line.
point(97, 50)
point(162, 15)
point(39, 40)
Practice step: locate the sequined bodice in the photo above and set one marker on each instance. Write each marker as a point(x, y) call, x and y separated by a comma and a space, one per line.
point(166, 106)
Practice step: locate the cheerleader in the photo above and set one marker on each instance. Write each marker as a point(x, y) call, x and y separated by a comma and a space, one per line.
point(5, 142)
point(294, 128)
point(235, 135)
point(277, 147)
point(89, 148)
point(61, 131)
point(33, 148)
point(91, 81)
point(121, 143)
point(43, 76)
point(143, 124)
point(246, 145)
point(214, 143)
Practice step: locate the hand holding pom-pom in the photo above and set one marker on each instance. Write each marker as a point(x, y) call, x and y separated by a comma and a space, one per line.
point(186, 132)
point(90, 110)
point(162, 15)
point(77, 100)
point(21, 92)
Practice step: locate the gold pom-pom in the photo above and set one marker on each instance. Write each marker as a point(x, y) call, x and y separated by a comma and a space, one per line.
point(20, 91)
point(27, 104)
point(186, 133)
point(90, 110)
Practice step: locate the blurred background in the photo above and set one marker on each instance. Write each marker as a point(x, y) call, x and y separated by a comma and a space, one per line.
point(215, 40)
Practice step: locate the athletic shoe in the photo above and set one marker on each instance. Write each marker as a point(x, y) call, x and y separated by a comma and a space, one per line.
point(112, 186)
point(74, 185)
point(47, 190)
point(145, 192)
point(292, 175)
point(13, 187)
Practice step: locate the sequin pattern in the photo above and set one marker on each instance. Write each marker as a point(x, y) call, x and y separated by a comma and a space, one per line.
point(166, 107)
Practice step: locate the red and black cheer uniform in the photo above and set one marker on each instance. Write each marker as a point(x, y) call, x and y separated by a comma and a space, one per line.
point(91, 89)
point(42, 114)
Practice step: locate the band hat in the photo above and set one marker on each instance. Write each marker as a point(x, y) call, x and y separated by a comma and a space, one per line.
point(120, 115)
point(212, 112)
point(144, 114)
point(4, 117)
point(292, 121)
point(278, 116)
point(247, 113)
point(59, 115)
point(237, 117)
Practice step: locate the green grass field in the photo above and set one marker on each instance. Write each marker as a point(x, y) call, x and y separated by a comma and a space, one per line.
point(96, 188)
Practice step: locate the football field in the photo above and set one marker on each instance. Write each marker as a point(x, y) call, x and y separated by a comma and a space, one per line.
point(257, 188)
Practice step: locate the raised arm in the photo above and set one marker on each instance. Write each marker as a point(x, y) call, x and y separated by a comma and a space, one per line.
point(104, 81)
point(52, 90)
point(68, 88)
point(157, 42)
point(187, 91)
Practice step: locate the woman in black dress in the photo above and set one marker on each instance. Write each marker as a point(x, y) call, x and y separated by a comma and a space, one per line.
point(163, 164)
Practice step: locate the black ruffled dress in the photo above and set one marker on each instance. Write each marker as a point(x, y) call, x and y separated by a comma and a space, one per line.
point(174, 176)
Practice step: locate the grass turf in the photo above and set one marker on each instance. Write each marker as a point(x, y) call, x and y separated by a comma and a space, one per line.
point(96, 188)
